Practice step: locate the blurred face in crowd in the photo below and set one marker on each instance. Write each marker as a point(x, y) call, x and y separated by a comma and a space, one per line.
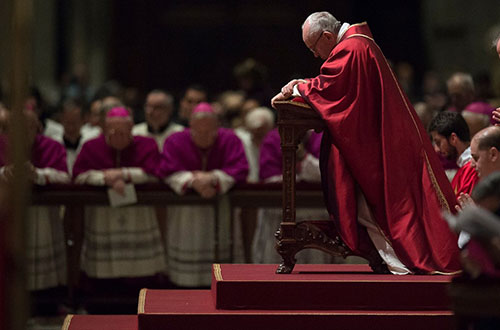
point(4, 118)
point(32, 126)
point(443, 146)
point(460, 96)
point(72, 122)
point(484, 161)
point(118, 131)
point(498, 47)
point(189, 101)
point(259, 133)
point(157, 110)
point(203, 129)
point(95, 113)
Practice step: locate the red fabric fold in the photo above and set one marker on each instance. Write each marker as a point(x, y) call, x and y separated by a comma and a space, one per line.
point(376, 143)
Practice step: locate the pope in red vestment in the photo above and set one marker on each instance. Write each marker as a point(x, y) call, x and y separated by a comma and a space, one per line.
point(376, 147)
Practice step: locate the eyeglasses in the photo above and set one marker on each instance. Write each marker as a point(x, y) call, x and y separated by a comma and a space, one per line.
point(313, 48)
point(155, 106)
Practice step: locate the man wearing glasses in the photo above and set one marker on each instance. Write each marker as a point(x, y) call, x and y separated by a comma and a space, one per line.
point(158, 111)
point(383, 184)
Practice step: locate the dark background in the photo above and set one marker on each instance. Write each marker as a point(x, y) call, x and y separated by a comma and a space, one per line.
point(171, 44)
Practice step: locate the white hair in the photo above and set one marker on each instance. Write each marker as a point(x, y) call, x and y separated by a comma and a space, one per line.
point(258, 117)
point(322, 21)
point(475, 121)
point(202, 115)
point(463, 79)
point(169, 99)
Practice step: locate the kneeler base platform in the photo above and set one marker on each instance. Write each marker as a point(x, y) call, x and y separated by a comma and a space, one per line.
point(311, 297)
point(192, 309)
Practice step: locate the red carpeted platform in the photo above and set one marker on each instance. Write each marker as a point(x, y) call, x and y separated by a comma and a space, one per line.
point(99, 322)
point(192, 309)
point(325, 287)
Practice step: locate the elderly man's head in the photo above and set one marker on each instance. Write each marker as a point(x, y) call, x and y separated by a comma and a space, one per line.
point(485, 151)
point(319, 33)
point(203, 125)
point(475, 121)
point(460, 90)
point(118, 128)
point(259, 122)
point(158, 109)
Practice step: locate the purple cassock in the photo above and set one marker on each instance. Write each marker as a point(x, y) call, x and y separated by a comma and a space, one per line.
point(46, 153)
point(481, 108)
point(227, 154)
point(271, 161)
point(96, 154)
point(45, 261)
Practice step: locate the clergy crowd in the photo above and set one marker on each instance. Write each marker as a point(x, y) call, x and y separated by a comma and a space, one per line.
point(193, 152)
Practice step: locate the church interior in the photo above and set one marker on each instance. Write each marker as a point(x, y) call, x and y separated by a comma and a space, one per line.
point(106, 220)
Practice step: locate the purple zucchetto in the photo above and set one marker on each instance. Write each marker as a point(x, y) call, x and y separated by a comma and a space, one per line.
point(118, 112)
point(480, 107)
point(203, 107)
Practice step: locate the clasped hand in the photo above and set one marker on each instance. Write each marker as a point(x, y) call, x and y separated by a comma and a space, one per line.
point(286, 91)
point(205, 184)
point(496, 116)
point(114, 178)
point(28, 169)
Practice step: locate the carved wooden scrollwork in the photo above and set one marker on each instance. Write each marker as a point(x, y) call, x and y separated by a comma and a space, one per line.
point(294, 120)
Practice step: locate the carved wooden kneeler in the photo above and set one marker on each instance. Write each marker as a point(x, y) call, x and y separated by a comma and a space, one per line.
point(294, 120)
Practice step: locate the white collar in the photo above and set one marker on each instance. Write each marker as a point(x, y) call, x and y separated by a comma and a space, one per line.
point(342, 30)
point(464, 157)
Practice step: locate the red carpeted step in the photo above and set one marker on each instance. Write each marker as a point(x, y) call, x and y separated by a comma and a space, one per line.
point(194, 309)
point(327, 287)
point(99, 322)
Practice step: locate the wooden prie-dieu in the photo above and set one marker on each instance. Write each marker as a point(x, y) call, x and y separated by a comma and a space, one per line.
point(294, 120)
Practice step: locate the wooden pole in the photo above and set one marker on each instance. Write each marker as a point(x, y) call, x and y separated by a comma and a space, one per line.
point(17, 197)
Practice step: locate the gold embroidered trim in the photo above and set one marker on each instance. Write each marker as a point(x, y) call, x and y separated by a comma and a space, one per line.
point(67, 321)
point(218, 272)
point(142, 301)
point(358, 24)
point(360, 35)
point(437, 188)
point(298, 104)
point(437, 272)
point(441, 198)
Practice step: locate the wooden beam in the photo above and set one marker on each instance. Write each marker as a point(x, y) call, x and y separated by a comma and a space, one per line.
point(20, 70)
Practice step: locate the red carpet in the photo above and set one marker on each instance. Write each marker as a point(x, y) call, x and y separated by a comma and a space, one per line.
point(325, 287)
point(312, 297)
point(192, 309)
point(98, 322)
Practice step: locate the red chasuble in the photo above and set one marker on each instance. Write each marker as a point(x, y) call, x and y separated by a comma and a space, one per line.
point(377, 145)
point(464, 180)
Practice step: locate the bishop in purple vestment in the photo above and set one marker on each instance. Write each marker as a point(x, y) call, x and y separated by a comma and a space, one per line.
point(120, 242)
point(271, 161)
point(208, 160)
point(45, 252)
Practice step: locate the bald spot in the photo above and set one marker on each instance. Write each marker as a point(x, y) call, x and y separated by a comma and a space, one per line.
point(488, 137)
